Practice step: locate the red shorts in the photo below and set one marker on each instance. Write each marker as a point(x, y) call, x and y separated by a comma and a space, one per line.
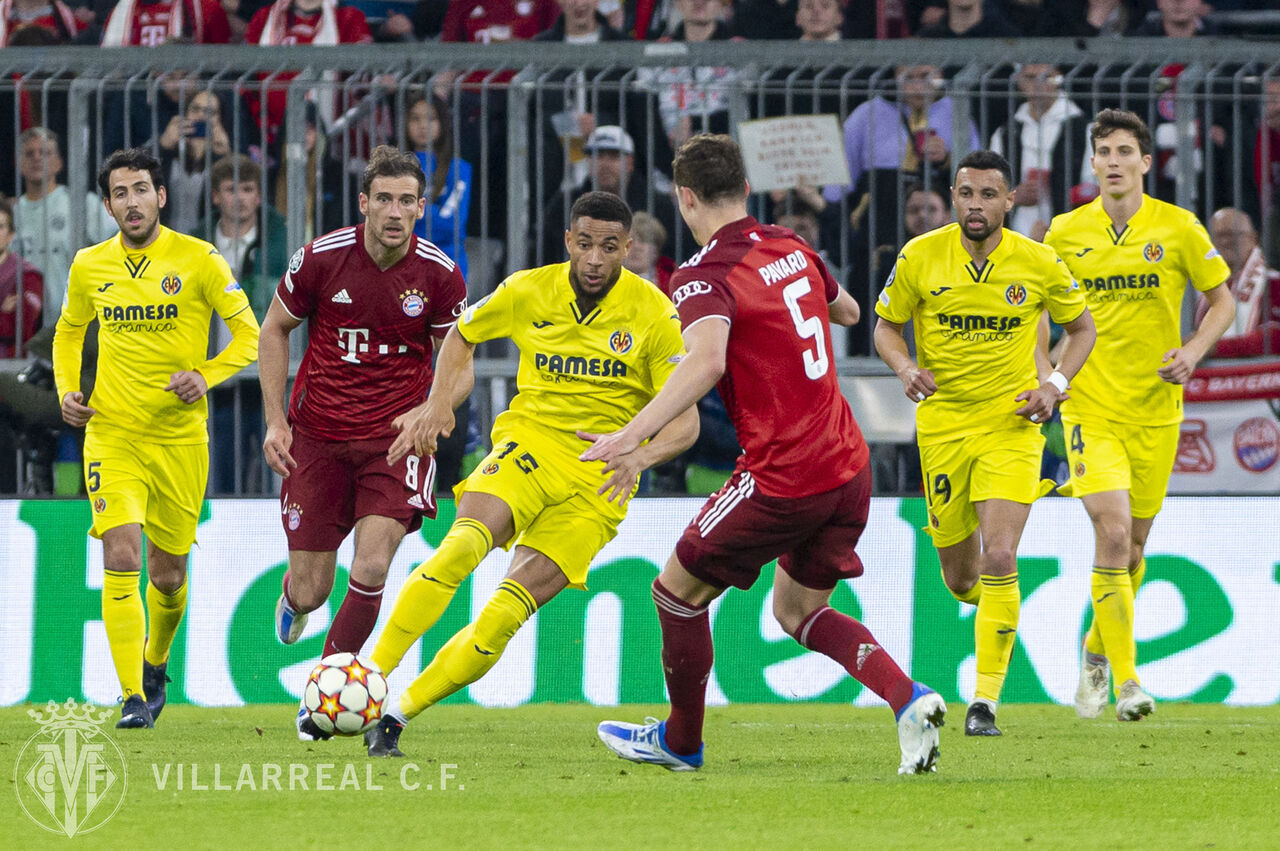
point(740, 530)
point(338, 482)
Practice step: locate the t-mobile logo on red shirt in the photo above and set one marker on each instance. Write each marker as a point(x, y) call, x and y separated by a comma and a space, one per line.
point(351, 341)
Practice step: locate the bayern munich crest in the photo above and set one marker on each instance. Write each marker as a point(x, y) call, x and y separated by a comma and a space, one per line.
point(412, 303)
point(1257, 444)
point(293, 516)
point(171, 285)
point(1016, 294)
point(621, 341)
point(1153, 252)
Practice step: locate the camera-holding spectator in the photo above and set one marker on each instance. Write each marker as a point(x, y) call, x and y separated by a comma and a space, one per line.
point(188, 146)
point(138, 23)
point(1047, 146)
point(42, 216)
point(1256, 287)
point(21, 292)
point(430, 135)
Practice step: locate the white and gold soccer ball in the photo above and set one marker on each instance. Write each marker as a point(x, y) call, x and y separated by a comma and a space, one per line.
point(345, 694)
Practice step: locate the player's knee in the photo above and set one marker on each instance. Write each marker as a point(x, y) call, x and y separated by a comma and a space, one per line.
point(369, 571)
point(1137, 551)
point(789, 614)
point(1001, 561)
point(121, 559)
point(963, 589)
point(307, 596)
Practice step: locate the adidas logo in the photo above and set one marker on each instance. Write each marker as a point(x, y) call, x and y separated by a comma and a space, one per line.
point(416, 501)
point(341, 297)
point(864, 653)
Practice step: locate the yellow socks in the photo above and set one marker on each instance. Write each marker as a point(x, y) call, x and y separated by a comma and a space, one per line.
point(475, 649)
point(1112, 595)
point(1093, 640)
point(123, 618)
point(995, 628)
point(164, 611)
point(428, 590)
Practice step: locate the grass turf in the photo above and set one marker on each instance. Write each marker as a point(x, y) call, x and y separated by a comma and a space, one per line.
point(815, 775)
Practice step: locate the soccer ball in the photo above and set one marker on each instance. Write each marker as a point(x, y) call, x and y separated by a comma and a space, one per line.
point(344, 694)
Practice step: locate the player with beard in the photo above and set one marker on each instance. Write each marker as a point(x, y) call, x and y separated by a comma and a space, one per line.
point(377, 297)
point(975, 292)
point(146, 449)
point(596, 342)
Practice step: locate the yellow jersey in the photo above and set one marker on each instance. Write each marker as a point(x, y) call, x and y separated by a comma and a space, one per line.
point(1133, 282)
point(592, 372)
point(975, 327)
point(153, 309)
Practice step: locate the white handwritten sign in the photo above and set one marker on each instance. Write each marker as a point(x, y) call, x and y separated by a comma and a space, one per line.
point(782, 153)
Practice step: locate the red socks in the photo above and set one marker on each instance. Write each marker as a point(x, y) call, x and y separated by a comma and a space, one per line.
point(686, 661)
point(355, 618)
point(844, 639)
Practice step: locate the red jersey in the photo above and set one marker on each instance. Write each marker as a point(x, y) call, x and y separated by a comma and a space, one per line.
point(151, 24)
point(369, 338)
point(779, 386)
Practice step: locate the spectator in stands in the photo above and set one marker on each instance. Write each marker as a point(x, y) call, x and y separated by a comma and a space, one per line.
point(253, 239)
point(53, 16)
point(790, 90)
point(820, 20)
point(1176, 19)
point(888, 144)
point(1266, 165)
point(1088, 18)
point(1256, 287)
point(648, 238)
point(694, 99)
point(1047, 145)
point(21, 292)
point(430, 133)
point(924, 209)
point(139, 23)
point(317, 22)
point(480, 98)
point(189, 145)
point(610, 153)
point(573, 102)
point(971, 19)
point(43, 217)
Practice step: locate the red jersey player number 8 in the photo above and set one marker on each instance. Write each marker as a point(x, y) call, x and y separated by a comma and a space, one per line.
point(815, 362)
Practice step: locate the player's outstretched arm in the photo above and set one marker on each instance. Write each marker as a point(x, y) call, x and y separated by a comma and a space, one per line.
point(1038, 404)
point(917, 383)
point(844, 310)
point(1179, 363)
point(692, 379)
point(273, 374)
point(672, 439)
point(421, 427)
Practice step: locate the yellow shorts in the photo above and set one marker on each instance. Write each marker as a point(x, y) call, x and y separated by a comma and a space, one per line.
point(158, 485)
point(1109, 456)
point(1002, 464)
point(552, 496)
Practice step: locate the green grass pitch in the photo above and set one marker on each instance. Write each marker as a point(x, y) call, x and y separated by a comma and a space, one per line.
point(808, 775)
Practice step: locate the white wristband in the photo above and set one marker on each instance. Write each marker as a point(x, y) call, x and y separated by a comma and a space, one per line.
point(1057, 379)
